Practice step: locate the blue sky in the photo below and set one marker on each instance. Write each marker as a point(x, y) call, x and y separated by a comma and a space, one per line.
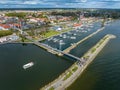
point(60, 4)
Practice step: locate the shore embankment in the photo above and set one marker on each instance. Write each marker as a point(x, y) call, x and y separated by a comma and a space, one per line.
point(70, 75)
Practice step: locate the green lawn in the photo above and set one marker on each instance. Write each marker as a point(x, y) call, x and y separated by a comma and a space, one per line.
point(75, 68)
point(67, 75)
point(51, 33)
point(93, 50)
point(52, 88)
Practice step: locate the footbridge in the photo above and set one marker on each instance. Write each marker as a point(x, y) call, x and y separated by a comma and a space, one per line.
point(58, 52)
point(70, 56)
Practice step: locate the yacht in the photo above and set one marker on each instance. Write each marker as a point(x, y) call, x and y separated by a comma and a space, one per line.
point(61, 42)
point(55, 40)
point(74, 34)
point(73, 37)
point(60, 35)
point(28, 65)
point(69, 33)
point(64, 36)
point(49, 39)
point(72, 44)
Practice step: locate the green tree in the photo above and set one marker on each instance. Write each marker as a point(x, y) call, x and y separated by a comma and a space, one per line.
point(5, 33)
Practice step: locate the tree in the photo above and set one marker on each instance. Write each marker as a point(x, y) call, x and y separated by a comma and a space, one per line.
point(14, 14)
point(5, 33)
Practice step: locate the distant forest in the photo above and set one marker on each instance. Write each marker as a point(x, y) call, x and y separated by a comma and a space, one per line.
point(75, 12)
point(103, 13)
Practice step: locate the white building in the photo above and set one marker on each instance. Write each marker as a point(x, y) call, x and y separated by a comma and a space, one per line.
point(3, 39)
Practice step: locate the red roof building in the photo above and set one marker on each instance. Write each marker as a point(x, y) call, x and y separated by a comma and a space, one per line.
point(77, 24)
point(4, 27)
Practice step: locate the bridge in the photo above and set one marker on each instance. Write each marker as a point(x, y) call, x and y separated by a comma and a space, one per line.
point(70, 55)
point(57, 52)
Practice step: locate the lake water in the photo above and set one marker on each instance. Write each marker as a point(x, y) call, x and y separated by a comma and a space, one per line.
point(46, 67)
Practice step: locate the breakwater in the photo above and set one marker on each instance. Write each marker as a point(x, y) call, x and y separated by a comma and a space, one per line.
point(70, 75)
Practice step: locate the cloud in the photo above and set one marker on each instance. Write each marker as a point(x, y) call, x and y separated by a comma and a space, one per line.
point(83, 0)
point(30, 2)
point(60, 4)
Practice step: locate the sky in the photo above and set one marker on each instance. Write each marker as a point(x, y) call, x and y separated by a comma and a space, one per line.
point(110, 4)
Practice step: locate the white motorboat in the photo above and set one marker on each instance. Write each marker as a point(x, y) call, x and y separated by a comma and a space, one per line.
point(28, 65)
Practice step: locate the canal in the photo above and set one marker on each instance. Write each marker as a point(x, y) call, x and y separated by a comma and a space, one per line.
point(104, 71)
point(46, 67)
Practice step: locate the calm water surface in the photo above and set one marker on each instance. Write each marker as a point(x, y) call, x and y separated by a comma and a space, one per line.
point(46, 68)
